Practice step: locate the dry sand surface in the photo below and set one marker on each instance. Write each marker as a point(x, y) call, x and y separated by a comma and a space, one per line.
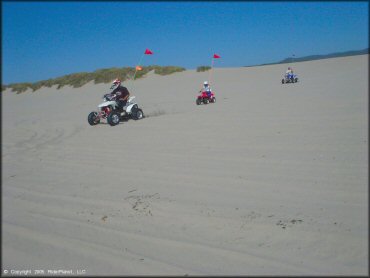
point(272, 179)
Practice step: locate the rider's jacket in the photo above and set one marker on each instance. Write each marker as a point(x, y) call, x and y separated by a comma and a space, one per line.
point(121, 92)
point(207, 89)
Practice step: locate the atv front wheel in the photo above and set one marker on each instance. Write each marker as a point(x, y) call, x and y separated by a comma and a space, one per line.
point(205, 100)
point(198, 101)
point(282, 81)
point(113, 118)
point(137, 114)
point(93, 118)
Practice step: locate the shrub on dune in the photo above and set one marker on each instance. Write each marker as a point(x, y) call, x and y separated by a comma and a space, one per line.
point(77, 80)
point(203, 68)
point(168, 70)
point(107, 75)
point(20, 87)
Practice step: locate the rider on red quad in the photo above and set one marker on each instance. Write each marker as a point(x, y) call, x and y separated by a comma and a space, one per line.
point(121, 92)
point(206, 88)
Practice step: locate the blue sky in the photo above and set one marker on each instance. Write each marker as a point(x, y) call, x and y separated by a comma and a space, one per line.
point(42, 40)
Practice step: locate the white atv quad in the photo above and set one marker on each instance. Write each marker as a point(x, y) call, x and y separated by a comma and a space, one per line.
point(110, 111)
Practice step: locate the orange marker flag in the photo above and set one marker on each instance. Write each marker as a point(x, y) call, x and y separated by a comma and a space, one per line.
point(139, 68)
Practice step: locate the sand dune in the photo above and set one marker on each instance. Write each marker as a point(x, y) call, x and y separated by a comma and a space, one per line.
point(270, 180)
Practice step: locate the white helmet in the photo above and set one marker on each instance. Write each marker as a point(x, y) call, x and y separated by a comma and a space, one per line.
point(115, 84)
point(205, 83)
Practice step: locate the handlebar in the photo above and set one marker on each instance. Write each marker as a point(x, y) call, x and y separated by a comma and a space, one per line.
point(109, 96)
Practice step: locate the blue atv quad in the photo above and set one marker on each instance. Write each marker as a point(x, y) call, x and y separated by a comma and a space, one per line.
point(289, 78)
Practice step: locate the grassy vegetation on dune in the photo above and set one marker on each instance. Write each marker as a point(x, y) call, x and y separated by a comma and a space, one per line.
point(76, 80)
point(203, 68)
point(167, 70)
point(19, 87)
point(107, 75)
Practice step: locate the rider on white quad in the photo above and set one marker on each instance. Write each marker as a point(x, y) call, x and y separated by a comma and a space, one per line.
point(121, 93)
point(117, 106)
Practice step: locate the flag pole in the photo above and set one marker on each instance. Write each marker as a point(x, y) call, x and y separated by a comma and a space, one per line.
point(138, 65)
point(211, 71)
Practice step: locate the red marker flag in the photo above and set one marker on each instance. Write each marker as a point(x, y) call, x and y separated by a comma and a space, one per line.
point(216, 56)
point(148, 51)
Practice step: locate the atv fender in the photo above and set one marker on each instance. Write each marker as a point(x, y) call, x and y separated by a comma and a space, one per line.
point(130, 107)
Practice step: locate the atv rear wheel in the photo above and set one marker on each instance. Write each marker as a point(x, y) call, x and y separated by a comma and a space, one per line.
point(113, 118)
point(213, 100)
point(137, 114)
point(93, 118)
point(198, 101)
point(205, 100)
